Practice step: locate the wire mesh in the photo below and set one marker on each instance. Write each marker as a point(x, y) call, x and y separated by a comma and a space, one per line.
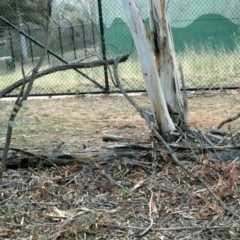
point(206, 37)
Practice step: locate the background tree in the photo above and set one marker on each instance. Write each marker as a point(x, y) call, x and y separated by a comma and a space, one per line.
point(32, 12)
point(69, 11)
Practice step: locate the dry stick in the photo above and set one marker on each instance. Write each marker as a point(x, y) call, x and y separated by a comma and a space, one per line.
point(220, 125)
point(171, 228)
point(20, 100)
point(110, 179)
point(209, 142)
point(150, 216)
point(159, 137)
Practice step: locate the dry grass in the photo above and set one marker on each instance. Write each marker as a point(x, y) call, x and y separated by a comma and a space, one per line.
point(206, 69)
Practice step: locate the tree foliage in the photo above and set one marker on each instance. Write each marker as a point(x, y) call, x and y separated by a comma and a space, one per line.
point(75, 11)
point(33, 11)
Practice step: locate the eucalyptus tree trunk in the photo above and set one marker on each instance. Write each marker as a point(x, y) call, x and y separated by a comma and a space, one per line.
point(157, 57)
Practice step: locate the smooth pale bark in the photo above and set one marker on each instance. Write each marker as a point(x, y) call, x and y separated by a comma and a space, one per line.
point(165, 55)
point(150, 72)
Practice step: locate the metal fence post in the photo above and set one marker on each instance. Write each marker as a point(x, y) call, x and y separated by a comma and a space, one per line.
point(72, 36)
point(100, 16)
point(60, 38)
point(93, 35)
point(29, 33)
point(11, 43)
point(84, 40)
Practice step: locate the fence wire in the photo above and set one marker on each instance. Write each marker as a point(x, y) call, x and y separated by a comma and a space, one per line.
point(206, 37)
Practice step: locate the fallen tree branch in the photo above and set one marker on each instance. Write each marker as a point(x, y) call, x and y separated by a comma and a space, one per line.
point(165, 144)
point(23, 159)
point(65, 67)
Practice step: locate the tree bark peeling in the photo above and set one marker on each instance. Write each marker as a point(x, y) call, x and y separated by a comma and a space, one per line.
point(158, 62)
point(151, 76)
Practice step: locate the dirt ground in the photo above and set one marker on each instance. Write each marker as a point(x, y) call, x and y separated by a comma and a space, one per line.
point(81, 121)
point(127, 197)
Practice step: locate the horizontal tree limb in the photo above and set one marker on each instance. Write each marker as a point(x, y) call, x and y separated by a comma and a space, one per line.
point(64, 67)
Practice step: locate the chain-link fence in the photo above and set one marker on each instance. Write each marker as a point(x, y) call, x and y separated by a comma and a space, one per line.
point(206, 38)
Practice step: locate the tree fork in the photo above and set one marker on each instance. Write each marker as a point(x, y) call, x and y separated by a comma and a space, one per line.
point(159, 65)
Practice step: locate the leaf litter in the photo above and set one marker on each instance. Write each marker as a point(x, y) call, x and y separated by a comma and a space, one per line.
point(119, 198)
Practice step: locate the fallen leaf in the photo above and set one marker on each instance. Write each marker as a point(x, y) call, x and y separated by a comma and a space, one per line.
point(107, 220)
point(57, 213)
point(224, 191)
point(138, 185)
point(136, 175)
point(216, 208)
point(233, 175)
point(154, 207)
point(204, 159)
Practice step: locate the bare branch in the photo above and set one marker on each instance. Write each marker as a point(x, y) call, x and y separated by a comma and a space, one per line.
point(150, 216)
point(54, 69)
point(231, 119)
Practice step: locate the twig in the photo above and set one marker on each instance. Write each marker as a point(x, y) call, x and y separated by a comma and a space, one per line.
point(220, 125)
point(110, 179)
point(150, 216)
point(209, 142)
point(198, 147)
point(43, 203)
point(170, 151)
point(172, 228)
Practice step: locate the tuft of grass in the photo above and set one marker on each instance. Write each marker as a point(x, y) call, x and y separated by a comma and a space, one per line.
point(9, 209)
point(124, 192)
